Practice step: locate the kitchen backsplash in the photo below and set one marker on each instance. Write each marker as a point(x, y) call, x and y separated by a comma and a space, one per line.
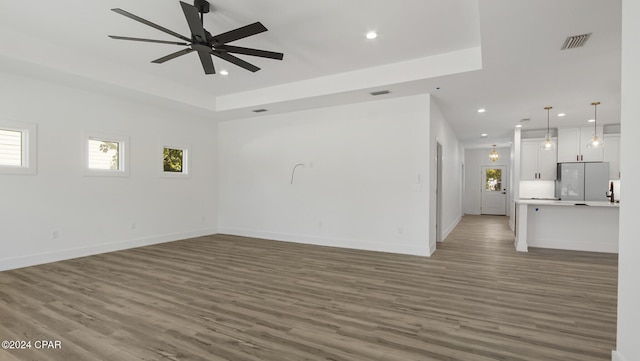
point(537, 189)
point(546, 189)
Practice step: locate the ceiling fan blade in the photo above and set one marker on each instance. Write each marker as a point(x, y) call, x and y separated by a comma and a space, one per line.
point(147, 40)
point(250, 51)
point(235, 60)
point(239, 33)
point(193, 19)
point(207, 62)
point(172, 56)
point(149, 23)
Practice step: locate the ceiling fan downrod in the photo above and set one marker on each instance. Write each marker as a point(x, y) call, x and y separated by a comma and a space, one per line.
point(203, 7)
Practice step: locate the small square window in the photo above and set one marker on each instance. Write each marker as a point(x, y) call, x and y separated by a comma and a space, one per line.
point(175, 161)
point(105, 155)
point(11, 147)
point(17, 148)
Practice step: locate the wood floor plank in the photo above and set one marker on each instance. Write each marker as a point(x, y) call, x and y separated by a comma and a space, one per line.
point(233, 298)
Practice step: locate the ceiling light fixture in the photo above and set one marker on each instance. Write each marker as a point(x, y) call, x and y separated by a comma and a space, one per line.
point(224, 72)
point(518, 125)
point(561, 114)
point(591, 120)
point(595, 142)
point(548, 143)
point(494, 155)
point(484, 135)
point(372, 35)
point(482, 110)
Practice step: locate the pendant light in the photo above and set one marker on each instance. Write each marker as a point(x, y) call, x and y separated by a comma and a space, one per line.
point(595, 142)
point(548, 142)
point(494, 156)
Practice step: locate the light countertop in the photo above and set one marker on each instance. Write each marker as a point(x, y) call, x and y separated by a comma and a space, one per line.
point(551, 202)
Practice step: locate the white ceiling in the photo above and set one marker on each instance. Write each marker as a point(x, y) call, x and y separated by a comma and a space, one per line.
point(523, 68)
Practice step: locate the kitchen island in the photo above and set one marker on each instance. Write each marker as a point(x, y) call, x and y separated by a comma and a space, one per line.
point(573, 225)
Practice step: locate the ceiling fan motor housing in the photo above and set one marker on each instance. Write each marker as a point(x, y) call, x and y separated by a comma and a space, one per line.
point(202, 6)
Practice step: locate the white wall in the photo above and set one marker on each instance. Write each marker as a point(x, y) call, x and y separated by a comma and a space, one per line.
point(474, 159)
point(96, 214)
point(452, 161)
point(364, 183)
point(628, 348)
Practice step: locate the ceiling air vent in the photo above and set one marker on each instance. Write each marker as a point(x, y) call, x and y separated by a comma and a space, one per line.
point(259, 110)
point(575, 41)
point(380, 92)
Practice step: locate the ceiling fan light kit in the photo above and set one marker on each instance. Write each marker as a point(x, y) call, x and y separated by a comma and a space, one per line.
point(203, 42)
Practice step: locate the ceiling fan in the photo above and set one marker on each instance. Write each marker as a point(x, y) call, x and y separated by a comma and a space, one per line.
point(203, 42)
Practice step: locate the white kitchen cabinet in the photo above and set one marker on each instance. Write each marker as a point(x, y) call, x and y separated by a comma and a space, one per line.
point(536, 163)
point(572, 145)
point(612, 154)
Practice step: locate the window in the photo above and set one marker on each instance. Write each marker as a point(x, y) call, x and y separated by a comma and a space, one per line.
point(105, 155)
point(493, 181)
point(17, 148)
point(175, 161)
point(11, 147)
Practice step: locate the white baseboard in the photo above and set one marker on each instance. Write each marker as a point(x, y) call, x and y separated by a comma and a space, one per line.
point(616, 356)
point(450, 229)
point(70, 253)
point(410, 249)
point(432, 248)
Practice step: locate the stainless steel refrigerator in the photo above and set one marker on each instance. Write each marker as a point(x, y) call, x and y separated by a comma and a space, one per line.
point(582, 181)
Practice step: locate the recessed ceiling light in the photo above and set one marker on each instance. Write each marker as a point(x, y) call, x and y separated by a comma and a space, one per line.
point(372, 35)
point(224, 72)
point(591, 120)
point(482, 110)
point(519, 126)
point(561, 114)
point(484, 135)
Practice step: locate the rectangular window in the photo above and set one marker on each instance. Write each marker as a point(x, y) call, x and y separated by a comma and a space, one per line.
point(17, 147)
point(11, 147)
point(175, 161)
point(105, 155)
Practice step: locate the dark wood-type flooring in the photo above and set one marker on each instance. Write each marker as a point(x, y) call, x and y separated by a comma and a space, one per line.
point(232, 298)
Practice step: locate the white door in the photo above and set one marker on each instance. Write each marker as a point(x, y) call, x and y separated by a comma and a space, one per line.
point(494, 190)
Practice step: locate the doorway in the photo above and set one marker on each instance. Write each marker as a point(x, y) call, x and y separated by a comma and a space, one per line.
point(494, 190)
point(438, 192)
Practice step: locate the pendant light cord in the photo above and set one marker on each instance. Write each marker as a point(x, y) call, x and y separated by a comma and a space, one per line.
point(595, 116)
